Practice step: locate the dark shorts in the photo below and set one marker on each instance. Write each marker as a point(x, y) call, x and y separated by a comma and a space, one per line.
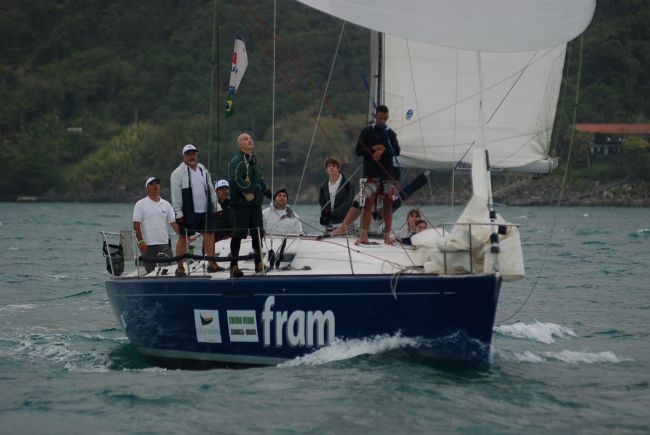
point(199, 224)
point(247, 219)
point(160, 251)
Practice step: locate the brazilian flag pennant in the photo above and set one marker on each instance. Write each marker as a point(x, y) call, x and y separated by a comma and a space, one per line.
point(229, 108)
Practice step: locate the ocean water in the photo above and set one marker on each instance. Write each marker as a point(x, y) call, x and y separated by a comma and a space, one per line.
point(574, 359)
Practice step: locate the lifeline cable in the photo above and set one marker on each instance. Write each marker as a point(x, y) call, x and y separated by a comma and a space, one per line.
point(562, 185)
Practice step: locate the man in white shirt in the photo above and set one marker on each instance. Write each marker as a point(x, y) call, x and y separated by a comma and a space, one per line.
point(151, 215)
point(195, 204)
point(279, 218)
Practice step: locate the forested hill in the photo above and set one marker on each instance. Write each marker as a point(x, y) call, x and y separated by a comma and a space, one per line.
point(96, 96)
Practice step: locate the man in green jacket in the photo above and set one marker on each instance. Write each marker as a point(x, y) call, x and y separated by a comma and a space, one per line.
point(247, 189)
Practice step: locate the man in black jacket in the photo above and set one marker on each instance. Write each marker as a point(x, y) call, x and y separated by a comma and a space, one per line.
point(336, 194)
point(379, 147)
point(225, 219)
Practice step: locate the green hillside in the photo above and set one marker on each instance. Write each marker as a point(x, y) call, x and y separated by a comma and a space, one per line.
point(96, 96)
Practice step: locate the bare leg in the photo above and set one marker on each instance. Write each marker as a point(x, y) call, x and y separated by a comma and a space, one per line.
point(180, 249)
point(351, 216)
point(388, 220)
point(365, 219)
point(208, 246)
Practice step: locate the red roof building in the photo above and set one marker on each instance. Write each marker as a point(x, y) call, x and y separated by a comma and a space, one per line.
point(608, 138)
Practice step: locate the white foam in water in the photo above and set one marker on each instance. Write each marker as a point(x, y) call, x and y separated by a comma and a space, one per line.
point(12, 248)
point(571, 356)
point(57, 277)
point(538, 331)
point(567, 356)
point(17, 308)
point(512, 355)
point(339, 349)
point(643, 230)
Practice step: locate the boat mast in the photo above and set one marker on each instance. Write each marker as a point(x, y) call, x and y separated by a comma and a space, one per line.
point(494, 237)
point(376, 91)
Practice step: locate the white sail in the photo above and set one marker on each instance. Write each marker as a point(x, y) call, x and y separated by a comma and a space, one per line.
point(481, 25)
point(433, 96)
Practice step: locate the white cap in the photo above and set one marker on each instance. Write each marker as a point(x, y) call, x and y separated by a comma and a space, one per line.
point(221, 183)
point(189, 147)
point(150, 180)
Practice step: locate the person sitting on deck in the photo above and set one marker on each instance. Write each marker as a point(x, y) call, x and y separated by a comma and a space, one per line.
point(420, 226)
point(279, 218)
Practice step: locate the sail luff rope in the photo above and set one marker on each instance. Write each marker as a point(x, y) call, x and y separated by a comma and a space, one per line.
point(320, 111)
point(562, 185)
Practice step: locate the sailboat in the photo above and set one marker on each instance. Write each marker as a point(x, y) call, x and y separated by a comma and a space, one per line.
point(471, 85)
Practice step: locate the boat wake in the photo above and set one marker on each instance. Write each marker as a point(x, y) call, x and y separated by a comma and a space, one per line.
point(538, 331)
point(341, 349)
point(567, 356)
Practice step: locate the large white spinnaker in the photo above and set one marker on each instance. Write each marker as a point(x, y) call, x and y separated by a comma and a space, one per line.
point(480, 25)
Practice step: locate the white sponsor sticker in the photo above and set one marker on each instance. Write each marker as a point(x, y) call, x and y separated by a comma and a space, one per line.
point(207, 326)
point(242, 326)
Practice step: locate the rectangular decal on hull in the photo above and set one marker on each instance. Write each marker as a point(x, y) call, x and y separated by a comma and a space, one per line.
point(242, 326)
point(207, 326)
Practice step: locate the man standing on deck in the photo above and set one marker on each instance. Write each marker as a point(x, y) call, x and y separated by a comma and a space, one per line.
point(378, 145)
point(195, 204)
point(151, 215)
point(247, 188)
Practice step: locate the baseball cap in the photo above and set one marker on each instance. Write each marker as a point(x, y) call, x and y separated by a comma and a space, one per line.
point(151, 180)
point(189, 147)
point(221, 183)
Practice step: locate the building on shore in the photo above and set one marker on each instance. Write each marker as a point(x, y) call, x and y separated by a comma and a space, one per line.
point(607, 139)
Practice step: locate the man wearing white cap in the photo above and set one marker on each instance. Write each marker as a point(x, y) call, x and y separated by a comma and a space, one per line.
point(195, 204)
point(151, 215)
point(225, 220)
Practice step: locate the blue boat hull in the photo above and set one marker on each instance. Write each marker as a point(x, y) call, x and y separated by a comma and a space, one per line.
point(198, 322)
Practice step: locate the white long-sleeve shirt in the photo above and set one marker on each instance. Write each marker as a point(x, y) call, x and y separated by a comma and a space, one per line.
point(276, 221)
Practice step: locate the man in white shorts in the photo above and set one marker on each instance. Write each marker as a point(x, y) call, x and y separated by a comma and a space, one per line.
point(151, 215)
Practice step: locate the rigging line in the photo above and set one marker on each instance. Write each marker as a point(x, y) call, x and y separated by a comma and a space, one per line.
point(314, 86)
point(275, 4)
point(453, 169)
point(513, 86)
point(563, 95)
point(487, 88)
point(288, 80)
point(320, 111)
point(562, 185)
point(417, 101)
point(211, 109)
point(212, 70)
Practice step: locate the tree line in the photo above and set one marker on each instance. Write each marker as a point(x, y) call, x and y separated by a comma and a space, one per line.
point(97, 96)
